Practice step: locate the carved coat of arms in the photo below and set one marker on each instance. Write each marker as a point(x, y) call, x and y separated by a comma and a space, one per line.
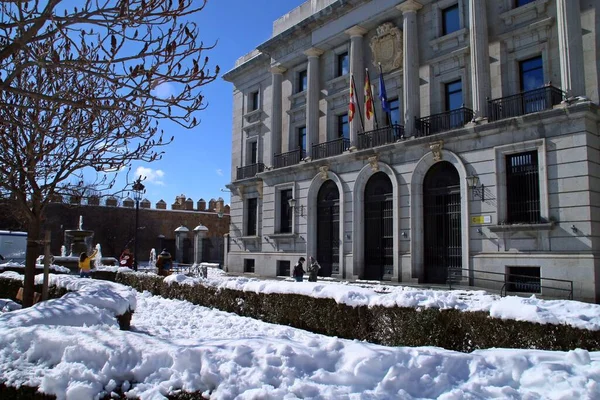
point(387, 47)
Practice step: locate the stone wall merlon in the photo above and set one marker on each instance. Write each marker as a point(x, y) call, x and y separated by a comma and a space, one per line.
point(242, 64)
point(298, 14)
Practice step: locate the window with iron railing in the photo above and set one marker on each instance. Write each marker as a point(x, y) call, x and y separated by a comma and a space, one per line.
point(285, 211)
point(522, 188)
point(251, 216)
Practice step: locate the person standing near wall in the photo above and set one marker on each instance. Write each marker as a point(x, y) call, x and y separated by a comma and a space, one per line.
point(313, 269)
point(298, 270)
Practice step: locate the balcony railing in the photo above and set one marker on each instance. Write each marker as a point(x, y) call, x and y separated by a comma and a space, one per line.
point(443, 122)
point(290, 158)
point(331, 148)
point(524, 103)
point(380, 136)
point(249, 171)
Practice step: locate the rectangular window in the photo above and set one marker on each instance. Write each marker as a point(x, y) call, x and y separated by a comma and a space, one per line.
point(394, 112)
point(302, 81)
point(343, 64)
point(283, 268)
point(519, 3)
point(450, 20)
point(523, 279)
point(249, 265)
point(253, 159)
point(343, 128)
point(454, 95)
point(285, 211)
point(531, 73)
point(254, 101)
point(522, 188)
point(302, 140)
point(252, 216)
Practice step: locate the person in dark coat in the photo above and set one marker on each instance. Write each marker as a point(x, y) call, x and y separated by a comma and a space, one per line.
point(313, 269)
point(126, 259)
point(164, 263)
point(298, 273)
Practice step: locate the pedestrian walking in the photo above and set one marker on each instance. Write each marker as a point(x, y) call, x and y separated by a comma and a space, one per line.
point(313, 269)
point(299, 270)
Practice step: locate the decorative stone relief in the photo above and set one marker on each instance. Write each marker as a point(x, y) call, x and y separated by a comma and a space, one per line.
point(324, 172)
point(374, 163)
point(387, 47)
point(259, 188)
point(240, 191)
point(436, 150)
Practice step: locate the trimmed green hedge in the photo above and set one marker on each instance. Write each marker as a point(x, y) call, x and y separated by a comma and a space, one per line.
point(398, 326)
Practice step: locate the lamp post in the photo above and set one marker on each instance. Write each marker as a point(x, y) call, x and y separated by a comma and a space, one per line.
point(138, 191)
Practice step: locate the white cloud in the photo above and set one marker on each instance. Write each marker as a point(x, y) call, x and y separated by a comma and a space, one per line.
point(152, 176)
point(220, 172)
point(163, 90)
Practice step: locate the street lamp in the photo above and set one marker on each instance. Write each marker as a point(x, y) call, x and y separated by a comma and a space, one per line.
point(138, 191)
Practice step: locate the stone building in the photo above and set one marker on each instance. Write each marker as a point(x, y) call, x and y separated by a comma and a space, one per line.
point(482, 169)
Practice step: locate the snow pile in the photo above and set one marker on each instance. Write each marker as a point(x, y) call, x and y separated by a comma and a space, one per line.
point(53, 267)
point(8, 305)
point(178, 346)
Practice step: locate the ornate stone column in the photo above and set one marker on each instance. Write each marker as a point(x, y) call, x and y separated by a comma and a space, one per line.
point(312, 99)
point(276, 116)
point(180, 236)
point(412, 103)
point(357, 70)
point(200, 232)
point(568, 18)
point(480, 54)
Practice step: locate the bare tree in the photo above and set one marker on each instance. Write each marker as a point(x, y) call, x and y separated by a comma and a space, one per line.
point(83, 88)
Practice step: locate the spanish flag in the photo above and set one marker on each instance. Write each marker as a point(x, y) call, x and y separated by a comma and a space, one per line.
point(352, 103)
point(368, 96)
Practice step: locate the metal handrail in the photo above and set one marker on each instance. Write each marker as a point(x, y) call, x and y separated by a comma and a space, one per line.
point(331, 148)
point(249, 171)
point(443, 121)
point(528, 102)
point(380, 136)
point(452, 274)
point(289, 158)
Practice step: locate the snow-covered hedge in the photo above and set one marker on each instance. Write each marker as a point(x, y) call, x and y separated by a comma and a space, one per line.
point(383, 322)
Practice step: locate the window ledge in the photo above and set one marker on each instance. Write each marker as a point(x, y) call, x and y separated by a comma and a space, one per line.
point(276, 236)
point(519, 13)
point(459, 35)
point(545, 226)
point(298, 95)
point(342, 78)
point(250, 238)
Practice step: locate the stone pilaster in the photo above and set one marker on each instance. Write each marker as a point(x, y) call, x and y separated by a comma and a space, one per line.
point(357, 70)
point(480, 54)
point(568, 18)
point(312, 99)
point(276, 115)
point(412, 103)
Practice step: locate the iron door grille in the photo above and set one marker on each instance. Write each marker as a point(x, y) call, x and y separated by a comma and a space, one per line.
point(379, 238)
point(522, 188)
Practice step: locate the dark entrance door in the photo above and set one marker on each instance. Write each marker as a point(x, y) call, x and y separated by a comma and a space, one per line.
point(328, 228)
point(379, 234)
point(441, 214)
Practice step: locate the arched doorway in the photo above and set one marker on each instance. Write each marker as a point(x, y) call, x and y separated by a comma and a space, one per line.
point(378, 226)
point(328, 228)
point(441, 221)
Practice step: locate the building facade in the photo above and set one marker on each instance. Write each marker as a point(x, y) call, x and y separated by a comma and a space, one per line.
point(482, 166)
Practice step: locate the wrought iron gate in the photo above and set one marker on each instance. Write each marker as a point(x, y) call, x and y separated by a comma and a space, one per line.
point(328, 228)
point(441, 213)
point(379, 233)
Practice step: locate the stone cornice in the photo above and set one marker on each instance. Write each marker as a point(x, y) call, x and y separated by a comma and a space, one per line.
point(235, 72)
point(409, 6)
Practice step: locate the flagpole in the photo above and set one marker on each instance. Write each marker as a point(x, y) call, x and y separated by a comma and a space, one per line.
point(371, 93)
point(357, 103)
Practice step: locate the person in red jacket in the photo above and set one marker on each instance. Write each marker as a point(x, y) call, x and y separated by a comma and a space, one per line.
point(126, 259)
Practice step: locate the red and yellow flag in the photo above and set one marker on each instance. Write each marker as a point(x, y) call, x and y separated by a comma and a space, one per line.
point(352, 103)
point(368, 97)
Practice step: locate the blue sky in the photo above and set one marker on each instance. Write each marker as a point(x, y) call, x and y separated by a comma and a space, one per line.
point(198, 163)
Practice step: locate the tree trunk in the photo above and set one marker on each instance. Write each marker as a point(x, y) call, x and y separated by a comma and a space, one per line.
point(33, 238)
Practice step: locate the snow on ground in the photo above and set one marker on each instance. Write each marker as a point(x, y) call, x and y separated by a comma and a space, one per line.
point(175, 345)
point(53, 267)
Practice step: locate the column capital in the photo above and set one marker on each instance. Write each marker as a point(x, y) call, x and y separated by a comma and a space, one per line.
point(409, 6)
point(356, 30)
point(278, 69)
point(313, 52)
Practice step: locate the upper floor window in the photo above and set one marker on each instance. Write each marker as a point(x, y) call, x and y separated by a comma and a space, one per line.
point(450, 19)
point(519, 3)
point(252, 152)
point(302, 81)
point(522, 188)
point(343, 64)
point(342, 126)
point(302, 139)
point(254, 101)
point(454, 95)
point(394, 112)
point(251, 216)
point(531, 73)
point(285, 211)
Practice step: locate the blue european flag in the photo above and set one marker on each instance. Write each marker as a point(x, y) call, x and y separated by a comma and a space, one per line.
point(385, 106)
